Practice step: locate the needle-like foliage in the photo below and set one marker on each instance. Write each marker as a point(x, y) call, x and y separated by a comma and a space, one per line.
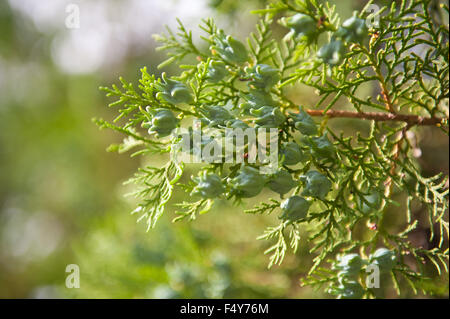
point(344, 179)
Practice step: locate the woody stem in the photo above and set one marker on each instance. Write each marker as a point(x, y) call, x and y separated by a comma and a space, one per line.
point(410, 119)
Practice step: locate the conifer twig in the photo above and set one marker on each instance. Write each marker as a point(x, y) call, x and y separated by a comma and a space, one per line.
point(378, 116)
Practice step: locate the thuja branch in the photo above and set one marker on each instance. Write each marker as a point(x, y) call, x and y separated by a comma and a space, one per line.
point(377, 116)
point(329, 186)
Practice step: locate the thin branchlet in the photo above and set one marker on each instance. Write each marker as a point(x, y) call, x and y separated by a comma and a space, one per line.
point(382, 117)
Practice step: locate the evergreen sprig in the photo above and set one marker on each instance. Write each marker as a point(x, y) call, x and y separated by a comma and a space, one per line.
point(345, 180)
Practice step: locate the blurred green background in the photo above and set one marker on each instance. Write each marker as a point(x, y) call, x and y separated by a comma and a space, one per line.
point(62, 195)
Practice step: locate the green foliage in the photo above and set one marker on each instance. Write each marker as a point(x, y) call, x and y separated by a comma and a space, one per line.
point(292, 153)
point(248, 183)
point(316, 185)
point(294, 208)
point(301, 25)
point(352, 269)
point(348, 179)
point(281, 182)
point(208, 185)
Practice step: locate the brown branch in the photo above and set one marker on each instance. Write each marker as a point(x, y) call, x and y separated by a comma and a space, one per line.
point(410, 119)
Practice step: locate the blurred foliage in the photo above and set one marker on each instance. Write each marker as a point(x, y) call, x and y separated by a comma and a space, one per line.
point(61, 201)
